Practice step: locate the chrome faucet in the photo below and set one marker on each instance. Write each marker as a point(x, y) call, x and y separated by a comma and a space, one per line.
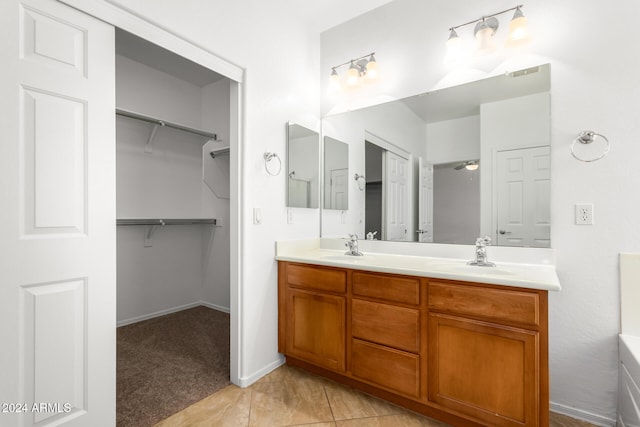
point(481, 253)
point(352, 244)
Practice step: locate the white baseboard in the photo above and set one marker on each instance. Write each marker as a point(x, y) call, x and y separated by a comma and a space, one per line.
point(580, 414)
point(169, 311)
point(216, 307)
point(247, 381)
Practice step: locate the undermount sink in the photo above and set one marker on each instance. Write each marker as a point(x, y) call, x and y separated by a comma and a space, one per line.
point(474, 270)
point(344, 257)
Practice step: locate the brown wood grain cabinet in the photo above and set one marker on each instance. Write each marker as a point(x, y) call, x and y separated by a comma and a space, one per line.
point(469, 354)
point(316, 326)
point(315, 315)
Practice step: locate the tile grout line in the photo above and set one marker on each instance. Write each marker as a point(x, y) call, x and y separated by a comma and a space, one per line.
point(326, 396)
point(250, 406)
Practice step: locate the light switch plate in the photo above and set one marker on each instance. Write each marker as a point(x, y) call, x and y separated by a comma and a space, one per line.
point(257, 216)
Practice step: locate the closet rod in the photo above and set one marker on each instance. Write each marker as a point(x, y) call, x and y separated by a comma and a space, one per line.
point(219, 152)
point(137, 116)
point(177, 221)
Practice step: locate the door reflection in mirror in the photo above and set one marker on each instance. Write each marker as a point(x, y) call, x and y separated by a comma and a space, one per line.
point(336, 174)
point(386, 193)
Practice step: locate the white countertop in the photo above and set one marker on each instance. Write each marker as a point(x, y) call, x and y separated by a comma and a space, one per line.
point(540, 275)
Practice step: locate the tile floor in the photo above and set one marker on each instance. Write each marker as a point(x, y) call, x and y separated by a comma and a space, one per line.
point(292, 397)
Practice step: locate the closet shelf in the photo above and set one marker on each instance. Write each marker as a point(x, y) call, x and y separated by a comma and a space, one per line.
point(155, 121)
point(172, 221)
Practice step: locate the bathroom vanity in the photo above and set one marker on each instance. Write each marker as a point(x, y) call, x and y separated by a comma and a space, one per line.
point(466, 345)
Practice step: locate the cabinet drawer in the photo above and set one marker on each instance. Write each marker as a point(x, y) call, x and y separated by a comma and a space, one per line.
point(386, 324)
point(389, 288)
point(387, 367)
point(493, 304)
point(318, 278)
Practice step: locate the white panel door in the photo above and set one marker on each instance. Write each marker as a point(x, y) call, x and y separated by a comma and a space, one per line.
point(522, 195)
point(339, 189)
point(395, 189)
point(57, 216)
point(425, 201)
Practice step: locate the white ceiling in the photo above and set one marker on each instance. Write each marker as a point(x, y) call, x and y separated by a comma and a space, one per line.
point(324, 14)
point(317, 15)
point(464, 100)
point(154, 56)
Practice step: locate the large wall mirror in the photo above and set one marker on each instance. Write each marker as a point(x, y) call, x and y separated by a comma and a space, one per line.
point(303, 190)
point(451, 165)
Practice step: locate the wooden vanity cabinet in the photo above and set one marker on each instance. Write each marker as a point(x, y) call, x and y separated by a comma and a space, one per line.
point(469, 354)
point(313, 326)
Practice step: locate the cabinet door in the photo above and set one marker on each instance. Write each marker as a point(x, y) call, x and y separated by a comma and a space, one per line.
point(316, 328)
point(484, 370)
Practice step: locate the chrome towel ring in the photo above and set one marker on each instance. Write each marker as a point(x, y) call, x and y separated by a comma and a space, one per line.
point(267, 161)
point(583, 150)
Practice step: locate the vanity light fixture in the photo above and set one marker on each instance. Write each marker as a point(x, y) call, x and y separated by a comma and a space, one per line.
point(364, 66)
point(485, 29)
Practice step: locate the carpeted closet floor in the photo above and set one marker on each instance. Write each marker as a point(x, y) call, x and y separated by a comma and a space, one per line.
point(168, 363)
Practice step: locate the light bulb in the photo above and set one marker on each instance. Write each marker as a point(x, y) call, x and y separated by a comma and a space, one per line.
point(353, 75)
point(485, 43)
point(334, 81)
point(454, 48)
point(471, 166)
point(518, 34)
point(484, 32)
point(372, 68)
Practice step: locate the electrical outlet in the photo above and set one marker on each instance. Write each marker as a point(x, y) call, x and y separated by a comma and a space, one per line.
point(289, 216)
point(584, 213)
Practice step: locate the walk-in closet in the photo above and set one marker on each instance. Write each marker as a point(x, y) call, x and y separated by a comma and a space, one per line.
point(172, 198)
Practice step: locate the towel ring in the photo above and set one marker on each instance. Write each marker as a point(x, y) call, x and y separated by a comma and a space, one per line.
point(361, 180)
point(585, 138)
point(267, 161)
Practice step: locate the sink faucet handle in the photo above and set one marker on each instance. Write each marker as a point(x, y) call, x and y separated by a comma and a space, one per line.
point(483, 241)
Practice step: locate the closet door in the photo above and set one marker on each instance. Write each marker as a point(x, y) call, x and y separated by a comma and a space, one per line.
point(57, 216)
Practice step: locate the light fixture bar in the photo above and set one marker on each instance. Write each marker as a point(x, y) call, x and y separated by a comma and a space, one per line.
point(486, 16)
point(355, 61)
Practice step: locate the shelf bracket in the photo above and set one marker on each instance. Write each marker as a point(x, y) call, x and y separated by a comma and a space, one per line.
point(148, 233)
point(148, 148)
